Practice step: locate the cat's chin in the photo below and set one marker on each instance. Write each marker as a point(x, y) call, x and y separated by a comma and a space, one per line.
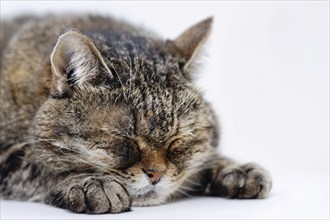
point(149, 198)
point(143, 193)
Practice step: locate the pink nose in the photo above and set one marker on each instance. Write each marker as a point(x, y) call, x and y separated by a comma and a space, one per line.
point(154, 175)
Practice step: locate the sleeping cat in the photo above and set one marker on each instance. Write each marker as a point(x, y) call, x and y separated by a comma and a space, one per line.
point(98, 116)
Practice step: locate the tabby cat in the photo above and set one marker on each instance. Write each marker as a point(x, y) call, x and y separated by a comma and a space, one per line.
point(98, 116)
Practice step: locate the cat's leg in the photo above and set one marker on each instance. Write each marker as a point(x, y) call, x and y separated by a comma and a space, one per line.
point(243, 181)
point(93, 194)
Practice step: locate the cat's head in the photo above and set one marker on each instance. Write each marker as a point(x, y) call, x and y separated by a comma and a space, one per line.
point(126, 105)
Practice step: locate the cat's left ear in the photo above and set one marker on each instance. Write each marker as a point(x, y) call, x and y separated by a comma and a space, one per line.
point(188, 44)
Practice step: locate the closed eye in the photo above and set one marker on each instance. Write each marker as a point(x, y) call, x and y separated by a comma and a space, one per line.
point(95, 145)
point(175, 144)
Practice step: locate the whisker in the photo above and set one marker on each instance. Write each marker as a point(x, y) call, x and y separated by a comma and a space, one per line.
point(186, 188)
point(121, 83)
point(182, 192)
point(16, 119)
point(192, 183)
point(130, 76)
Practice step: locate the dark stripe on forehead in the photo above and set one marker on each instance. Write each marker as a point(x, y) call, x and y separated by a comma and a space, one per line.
point(154, 107)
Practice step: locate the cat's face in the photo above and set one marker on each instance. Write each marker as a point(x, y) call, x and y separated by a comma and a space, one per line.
point(152, 129)
point(172, 138)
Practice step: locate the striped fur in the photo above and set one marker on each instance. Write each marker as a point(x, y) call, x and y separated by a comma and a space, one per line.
point(89, 104)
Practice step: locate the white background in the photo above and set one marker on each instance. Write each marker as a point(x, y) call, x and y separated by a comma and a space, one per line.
point(266, 72)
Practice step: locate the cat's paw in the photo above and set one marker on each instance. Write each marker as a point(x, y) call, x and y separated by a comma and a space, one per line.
point(94, 196)
point(242, 181)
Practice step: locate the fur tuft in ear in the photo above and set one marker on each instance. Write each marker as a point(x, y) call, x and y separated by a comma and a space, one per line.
point(75, 61)
point(189, 42)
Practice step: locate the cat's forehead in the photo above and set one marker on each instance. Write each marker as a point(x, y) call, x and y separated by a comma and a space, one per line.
point(154, 113)
point(138, 60)
point(155, 128)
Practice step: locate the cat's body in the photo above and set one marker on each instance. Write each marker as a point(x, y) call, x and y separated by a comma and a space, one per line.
point(97, 115)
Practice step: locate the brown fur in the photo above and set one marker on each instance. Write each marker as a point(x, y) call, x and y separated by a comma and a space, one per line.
point(97, 115)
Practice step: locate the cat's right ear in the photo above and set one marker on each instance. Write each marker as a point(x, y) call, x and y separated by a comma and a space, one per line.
point(75, 61)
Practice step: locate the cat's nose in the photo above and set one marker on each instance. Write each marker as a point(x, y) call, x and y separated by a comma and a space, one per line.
point(154, 175)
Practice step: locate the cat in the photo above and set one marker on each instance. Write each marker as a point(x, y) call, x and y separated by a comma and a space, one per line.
point(98, 115)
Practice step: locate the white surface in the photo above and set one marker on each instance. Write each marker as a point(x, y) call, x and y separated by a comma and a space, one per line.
point(267, 75)
point(293, 196)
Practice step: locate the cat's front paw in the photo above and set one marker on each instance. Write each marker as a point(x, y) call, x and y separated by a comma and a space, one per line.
point(242, 181)
point(92, 195)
